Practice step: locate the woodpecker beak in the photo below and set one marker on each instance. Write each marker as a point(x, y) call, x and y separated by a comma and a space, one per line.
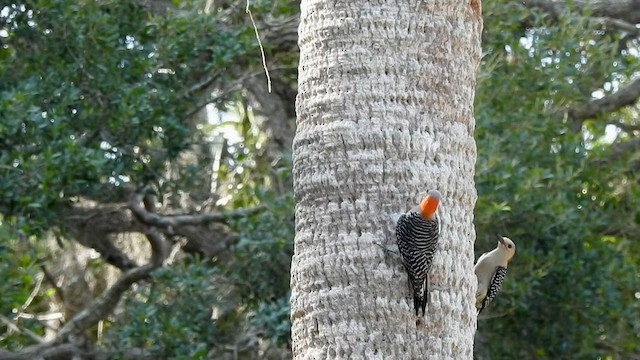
point(501, 240)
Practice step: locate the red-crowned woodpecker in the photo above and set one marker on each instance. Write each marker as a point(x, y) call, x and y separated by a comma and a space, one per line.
point(491, 270)
point(417, 234)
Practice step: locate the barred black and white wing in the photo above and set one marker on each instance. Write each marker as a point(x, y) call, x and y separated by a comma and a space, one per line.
point(494, 286)
point(417, 241)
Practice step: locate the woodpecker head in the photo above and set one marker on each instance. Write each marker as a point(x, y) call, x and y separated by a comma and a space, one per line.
point(429, 204)
point(507, 247)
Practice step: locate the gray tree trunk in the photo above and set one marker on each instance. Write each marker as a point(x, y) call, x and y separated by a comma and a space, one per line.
point(385, 112)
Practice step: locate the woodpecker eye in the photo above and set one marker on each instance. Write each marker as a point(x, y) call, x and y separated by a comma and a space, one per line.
point(509, 246)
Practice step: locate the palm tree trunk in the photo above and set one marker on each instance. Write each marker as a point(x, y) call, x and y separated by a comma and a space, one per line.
point(385, 112)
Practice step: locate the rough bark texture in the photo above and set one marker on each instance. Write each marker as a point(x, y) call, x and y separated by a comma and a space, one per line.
point(385, 112)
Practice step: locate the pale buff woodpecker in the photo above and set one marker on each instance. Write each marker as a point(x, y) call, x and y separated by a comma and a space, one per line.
point(417, 234)
point(491, 270)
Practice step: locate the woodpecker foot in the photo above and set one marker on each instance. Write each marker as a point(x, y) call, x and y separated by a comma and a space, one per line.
point(386, 249)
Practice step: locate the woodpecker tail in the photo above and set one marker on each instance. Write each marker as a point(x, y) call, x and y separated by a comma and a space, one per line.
point(480, 310)
point(420, 297)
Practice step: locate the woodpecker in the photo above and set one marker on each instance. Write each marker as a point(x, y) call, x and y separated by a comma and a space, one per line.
point(417, 234)
point(491, 270)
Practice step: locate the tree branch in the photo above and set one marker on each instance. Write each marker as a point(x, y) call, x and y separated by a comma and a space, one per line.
point(621, 98)
point(88, 317)
point(620, 149)
point(226, 91)
point(63, 344)
point(170, 222)
point(11, 326)
point(201, 86)
point(627, 10)
point(157, 7)
point(93, 225)
point(619, 25)
point(52, 282)
point(103, 306)
point(73, 351)
point(97, 310)
point(48, 351)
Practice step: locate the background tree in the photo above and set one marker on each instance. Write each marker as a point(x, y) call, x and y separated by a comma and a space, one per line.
point(557, 170)
point(104, 138)
point(102, 107)
point(375, 131)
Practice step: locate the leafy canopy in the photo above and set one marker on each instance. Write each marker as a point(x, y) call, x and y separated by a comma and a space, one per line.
point(545, 180)
point(94, 95)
